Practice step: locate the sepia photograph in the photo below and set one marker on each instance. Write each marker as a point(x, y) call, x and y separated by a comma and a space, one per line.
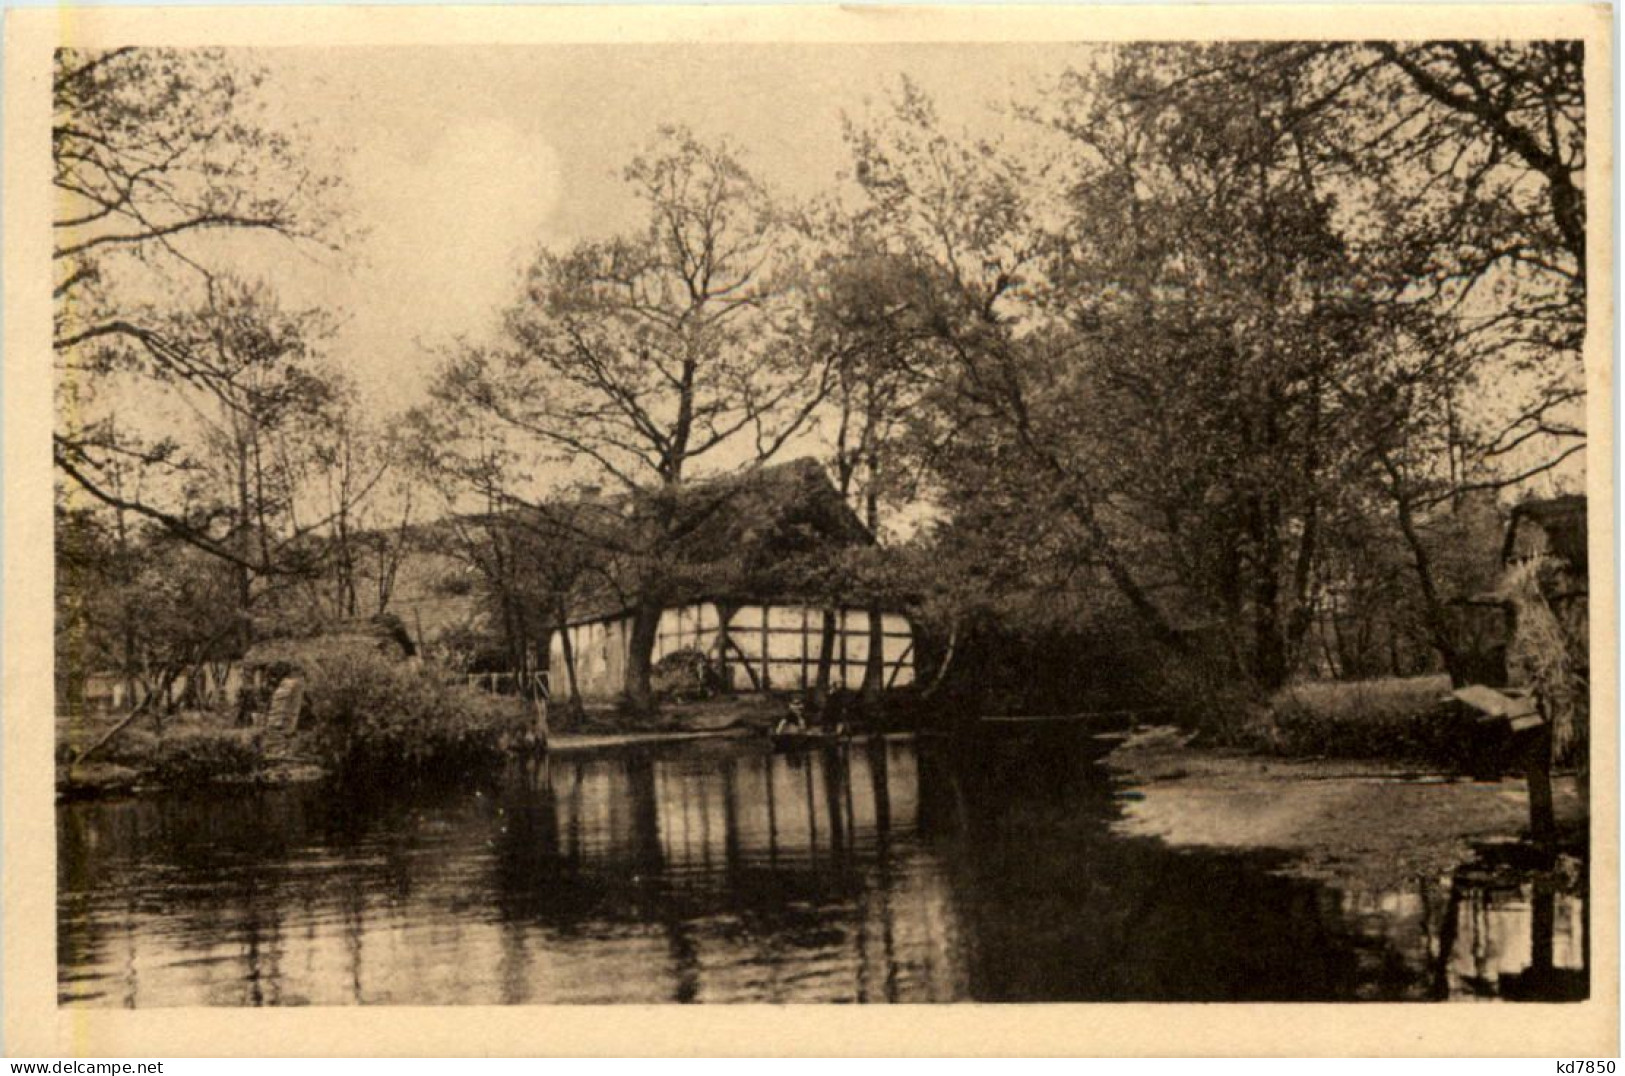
point(606, 523)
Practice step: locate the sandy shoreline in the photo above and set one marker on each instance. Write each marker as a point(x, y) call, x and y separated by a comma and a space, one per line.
point(1349, 819)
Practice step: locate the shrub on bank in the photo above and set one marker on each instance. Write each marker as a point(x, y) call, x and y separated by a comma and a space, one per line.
point(182, 749)
point(686, 675)
point(369, 712)
point(134, 745)
point(199, 756)
point(1397, 718)
point(1202, 693)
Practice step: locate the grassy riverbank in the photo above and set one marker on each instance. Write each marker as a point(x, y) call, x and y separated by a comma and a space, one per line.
point(390, 717)
point(202, 748)
point(185, 749)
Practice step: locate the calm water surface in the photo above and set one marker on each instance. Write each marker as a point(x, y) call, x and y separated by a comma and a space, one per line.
point(893, 870)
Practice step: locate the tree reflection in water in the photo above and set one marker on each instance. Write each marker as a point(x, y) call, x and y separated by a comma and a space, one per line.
point(882, 870)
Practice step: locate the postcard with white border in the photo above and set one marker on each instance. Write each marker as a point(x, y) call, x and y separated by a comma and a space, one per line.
point(804, 530)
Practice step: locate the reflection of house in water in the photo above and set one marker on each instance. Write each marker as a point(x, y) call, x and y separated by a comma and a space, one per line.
point(623, 878)
point(771, 876)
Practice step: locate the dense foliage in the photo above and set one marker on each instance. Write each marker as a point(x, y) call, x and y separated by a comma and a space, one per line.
point(375, 715)
point(1405, 719)
point(1204, 379)
point(201, 756)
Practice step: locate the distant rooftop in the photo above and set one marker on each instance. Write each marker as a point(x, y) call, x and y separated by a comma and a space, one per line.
point(1562, 520)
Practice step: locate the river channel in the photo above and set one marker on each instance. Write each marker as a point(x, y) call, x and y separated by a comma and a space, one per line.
point(885, 870)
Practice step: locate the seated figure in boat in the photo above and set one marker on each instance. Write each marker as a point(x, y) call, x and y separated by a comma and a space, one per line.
point(795, 721)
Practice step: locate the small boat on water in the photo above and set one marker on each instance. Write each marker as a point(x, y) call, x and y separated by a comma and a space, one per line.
point(1099, 721)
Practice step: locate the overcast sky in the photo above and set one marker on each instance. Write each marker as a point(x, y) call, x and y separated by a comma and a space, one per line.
point(462, 161)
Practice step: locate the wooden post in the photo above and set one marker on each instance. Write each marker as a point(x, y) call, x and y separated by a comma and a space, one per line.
point(841, 619)
point(1538, 774)
point(724, 667)
point(767, 642)
point(1530, 726)
point(1542, 925)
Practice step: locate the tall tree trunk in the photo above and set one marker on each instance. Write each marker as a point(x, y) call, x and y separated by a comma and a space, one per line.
point(1538, 776)
point(1269, 644)
point(1269, 650)
point(846, 463)
point(518, 642)
point(568, 649)
point(640, 657)
point(349, 604)
point(826, 658)
point(725, 613)
point(1303, 574)
point(1334, 667)
point(1433, 607)
point(126, 606)
point(147, 703)
point(245, 550)
point(941, 675)
point(1151, 617)
point(874, 665)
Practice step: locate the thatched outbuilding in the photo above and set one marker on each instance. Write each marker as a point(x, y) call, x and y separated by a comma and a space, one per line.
point(1546, 540)
point(747, 583)
point(382, 635)
point(1554, 527)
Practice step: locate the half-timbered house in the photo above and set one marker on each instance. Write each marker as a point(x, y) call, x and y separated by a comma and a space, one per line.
point(750, 589)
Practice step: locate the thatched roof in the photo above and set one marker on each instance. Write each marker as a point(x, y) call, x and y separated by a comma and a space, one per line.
point(744, 537)
point(379, 636)
point(1562, 524)
point(769, 513)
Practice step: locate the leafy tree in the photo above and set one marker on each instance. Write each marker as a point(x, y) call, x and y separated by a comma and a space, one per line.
point(1251, 309)
point(186, 395)
point(1502, 260)
point(134, 601)
point(1219, 325)
point(1117, 372)
point(1460, 170)
point(532, 557)
point(366, 500)
point(639, 360)
point(862, 316)
point(156, 152)
point(257, 414)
